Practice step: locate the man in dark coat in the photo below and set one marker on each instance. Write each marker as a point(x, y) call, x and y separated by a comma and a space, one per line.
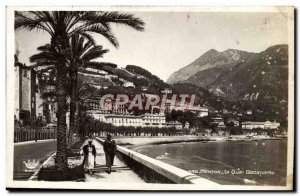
point(89, 160)
point(110, 149)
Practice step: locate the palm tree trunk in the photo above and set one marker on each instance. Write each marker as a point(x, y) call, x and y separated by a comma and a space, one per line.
point(72, 121)
point(61, 155)
point(72, 110)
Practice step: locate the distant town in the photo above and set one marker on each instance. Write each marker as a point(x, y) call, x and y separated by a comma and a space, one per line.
point(33, 109)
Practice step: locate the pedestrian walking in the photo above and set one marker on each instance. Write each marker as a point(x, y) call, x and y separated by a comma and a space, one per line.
point(110, 149)
point(89, 160)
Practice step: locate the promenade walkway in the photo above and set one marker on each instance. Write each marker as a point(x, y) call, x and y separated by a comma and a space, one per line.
point(121, 173)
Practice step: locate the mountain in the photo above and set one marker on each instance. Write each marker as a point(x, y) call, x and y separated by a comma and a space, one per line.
point(209, 60)
point(264, 74)
point(232, 72)
point(256, 81)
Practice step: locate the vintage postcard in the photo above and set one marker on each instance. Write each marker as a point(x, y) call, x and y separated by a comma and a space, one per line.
point(150, 98)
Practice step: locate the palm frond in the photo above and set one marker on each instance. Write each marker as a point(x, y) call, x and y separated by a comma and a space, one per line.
point(30, 22)
point(43, 57)
point(98, 29)
point(93, 53)
point(46, 48)
point(88, 37)
point(106, 18)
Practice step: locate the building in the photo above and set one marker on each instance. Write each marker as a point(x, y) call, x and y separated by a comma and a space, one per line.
point(249, 112)
point(203, 111)
point(98, 115)
point(166, 91)
point(27, 97)
point(186, 125)
point(235, 122)
point(213, 111)
point(253, 125)
point(154, 120)
point(260, 125)
point(144, 88)
point(46, 85)
point(110, 76)
point(124, 120)
point(109, 106)
point(145, 120)
point(218, 121)
point(177, 125)
point(272, 125)
point(128, 84)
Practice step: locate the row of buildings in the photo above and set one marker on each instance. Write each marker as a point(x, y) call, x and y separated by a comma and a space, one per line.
point(119, 116)
point(260, 125)
point(144, 120)
point(109, 106)
point(247, 125)
point(30, 106)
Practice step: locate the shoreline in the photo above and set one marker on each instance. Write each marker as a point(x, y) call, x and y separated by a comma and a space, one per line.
point(140, 141)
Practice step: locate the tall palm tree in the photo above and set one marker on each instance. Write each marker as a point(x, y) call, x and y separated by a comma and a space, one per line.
point(61, 25)
point(82, 53)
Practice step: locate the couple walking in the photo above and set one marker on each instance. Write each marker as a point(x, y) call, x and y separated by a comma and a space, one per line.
point(89, 151)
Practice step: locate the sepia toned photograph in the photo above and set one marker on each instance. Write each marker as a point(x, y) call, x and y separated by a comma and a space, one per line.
point(150, 98)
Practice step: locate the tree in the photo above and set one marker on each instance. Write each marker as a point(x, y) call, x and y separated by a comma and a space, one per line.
point(82, 54)
point(61, 25)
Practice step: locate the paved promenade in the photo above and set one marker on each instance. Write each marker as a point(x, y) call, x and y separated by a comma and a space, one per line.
point(31, 151)
point(121, 173)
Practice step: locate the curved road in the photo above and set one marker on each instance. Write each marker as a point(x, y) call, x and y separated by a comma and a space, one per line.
point(31, 151)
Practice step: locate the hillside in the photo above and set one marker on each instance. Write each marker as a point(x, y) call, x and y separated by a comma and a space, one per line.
point(212, 59)
point(112, 81)
point(232, 72)
point(256, 81)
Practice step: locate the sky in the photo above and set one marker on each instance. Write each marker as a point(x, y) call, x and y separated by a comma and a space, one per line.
point(172, 40)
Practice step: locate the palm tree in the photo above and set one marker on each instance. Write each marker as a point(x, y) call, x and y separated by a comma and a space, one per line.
point(61, 25)
point(82, 53)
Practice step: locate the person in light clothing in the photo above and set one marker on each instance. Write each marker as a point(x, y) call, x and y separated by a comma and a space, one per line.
point(89, 160)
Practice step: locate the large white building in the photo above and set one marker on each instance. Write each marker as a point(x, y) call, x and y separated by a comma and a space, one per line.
point(124, 120)
point(154, 120)
point(145, 120)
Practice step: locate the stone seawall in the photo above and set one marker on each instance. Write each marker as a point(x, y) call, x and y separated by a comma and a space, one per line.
point(155, 171)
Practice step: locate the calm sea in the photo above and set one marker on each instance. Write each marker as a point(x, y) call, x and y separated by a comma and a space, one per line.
point(228, 162)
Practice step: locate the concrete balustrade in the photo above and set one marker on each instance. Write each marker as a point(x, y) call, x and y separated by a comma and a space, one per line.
point(171, 173)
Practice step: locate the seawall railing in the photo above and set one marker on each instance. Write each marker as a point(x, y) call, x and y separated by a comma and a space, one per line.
point(155, 171)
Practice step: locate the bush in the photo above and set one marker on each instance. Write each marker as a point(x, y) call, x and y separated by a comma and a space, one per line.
point(51, 173)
